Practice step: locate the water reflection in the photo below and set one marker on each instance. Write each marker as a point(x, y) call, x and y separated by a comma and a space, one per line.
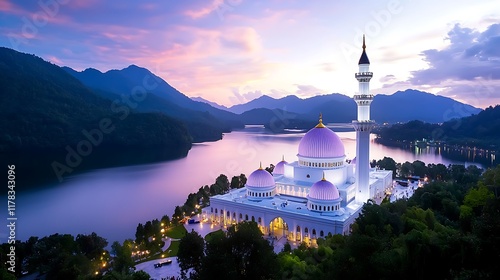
point(112, 201)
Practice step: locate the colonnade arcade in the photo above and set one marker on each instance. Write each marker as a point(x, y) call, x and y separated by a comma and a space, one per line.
point(278, 226)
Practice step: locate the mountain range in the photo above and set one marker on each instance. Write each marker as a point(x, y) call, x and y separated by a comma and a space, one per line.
point(402, 106)
point(51, 110)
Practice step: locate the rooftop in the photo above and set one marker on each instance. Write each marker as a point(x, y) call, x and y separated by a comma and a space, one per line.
point(288, 204)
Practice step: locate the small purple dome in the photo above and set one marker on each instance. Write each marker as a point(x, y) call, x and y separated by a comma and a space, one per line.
point(279, 169)
point(323, 190)
point(260, 178)
point(321, 142)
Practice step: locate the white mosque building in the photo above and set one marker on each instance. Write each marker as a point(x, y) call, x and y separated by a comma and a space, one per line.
point(321, 193)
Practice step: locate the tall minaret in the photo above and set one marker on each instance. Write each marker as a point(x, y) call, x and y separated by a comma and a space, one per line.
point(363, 126)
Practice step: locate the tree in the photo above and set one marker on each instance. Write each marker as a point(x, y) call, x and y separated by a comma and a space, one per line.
point(165, 220)
point(122, 260)
point(388, 163)
point(191, 253)
point(235, 182)
point(406, 169)
point(419, 168)
point(140, 234)
point(222, 182)
point(241, 253)
point(92, 246)
point(243, 180)
point(178, 215)
point(491, 179)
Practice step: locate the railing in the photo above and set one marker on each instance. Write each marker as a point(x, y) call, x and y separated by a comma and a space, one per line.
point(363, 96)
point(363, 74)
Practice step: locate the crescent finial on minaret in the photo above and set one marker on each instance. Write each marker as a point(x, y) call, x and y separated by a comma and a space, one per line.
point(364, 45)
point(260, 167)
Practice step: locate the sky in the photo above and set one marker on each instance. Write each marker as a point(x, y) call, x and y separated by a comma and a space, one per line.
point(232, 51)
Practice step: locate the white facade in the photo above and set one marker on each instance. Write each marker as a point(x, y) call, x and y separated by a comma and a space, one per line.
point(320, 193)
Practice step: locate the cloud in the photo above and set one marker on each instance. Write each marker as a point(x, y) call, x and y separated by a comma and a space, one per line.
point(468, 69)
point(202, 11)
point(387, 78)
point(327, 67)
point(307, 90)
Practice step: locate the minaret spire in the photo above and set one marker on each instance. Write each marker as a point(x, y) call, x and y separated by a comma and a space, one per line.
point(364, 57)
point(363, 126)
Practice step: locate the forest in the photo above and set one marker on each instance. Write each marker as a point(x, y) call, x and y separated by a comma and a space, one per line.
point(449, 229)
point(481, 130)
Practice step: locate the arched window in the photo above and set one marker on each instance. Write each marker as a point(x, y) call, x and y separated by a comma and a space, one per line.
point(246, 217)
point(298, 228)
point(234, 214)
point(211, 209)
point(321, 233)
point(260, 219)
point(241, 216)
point(306, 230)
point(253, 219)
point(215, 210)
point(228, 214)
point(314, 232)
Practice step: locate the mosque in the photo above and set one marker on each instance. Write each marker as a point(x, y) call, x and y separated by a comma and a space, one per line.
point(320, 194)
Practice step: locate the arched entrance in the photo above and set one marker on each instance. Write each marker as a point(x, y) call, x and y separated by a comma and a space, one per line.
point(278, 227)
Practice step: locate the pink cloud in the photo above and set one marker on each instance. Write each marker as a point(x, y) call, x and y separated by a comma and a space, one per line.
point(54, 60)
point(6, 6)
point(203, 11)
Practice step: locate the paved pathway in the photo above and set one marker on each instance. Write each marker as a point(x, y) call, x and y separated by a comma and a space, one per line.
point(173, 269)
point(164, 272)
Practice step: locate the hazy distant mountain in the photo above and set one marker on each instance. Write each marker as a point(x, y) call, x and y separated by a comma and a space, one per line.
point(213, 104)
point(401, 106)
point(289, 103)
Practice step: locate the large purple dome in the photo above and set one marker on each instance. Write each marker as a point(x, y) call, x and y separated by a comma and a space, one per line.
point(323, 190)
point(260, 178)
point(321, 142)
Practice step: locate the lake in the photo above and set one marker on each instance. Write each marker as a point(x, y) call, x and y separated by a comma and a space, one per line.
point(112, 201)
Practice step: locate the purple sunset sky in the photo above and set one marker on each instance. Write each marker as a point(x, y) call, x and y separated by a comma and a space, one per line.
point(231, 51)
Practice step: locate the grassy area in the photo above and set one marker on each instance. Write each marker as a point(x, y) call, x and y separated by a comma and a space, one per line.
point(214, 233)
point(176, 232)
point(171, 251)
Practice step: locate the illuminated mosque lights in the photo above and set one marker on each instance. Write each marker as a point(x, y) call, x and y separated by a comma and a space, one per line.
point(320, 194)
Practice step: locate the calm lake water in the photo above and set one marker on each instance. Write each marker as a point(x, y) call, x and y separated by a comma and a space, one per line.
point(111, 202)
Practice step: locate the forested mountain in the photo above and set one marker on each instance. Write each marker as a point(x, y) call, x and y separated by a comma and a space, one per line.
point(46, 114)
point(481, 130)
point(204, 122)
